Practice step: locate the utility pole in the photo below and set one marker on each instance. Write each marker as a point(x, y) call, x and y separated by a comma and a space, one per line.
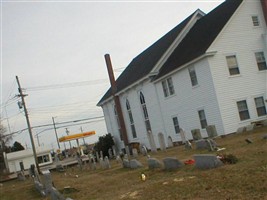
point(116, 99)
point(55, 131)
point(28, 123)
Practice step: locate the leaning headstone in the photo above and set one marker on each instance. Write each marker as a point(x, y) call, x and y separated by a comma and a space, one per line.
point(144, 150)
point(153, 163)
point(188, 144)
point(241, 129)
point(134, 164)
point(151, 141)
point(207, 161)
point(250, 127)
point(211, 131)
point(196, 134)
point(21, 176)
point(249, 141)
point(172, 163)
point(162, 142)
point(135, 152)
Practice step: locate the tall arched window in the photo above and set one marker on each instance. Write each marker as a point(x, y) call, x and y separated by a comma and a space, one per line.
point(131, 118)
point(118, 121)
point(146, 117)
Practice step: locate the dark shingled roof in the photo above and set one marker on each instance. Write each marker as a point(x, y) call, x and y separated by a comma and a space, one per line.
point(200, 37)
point(195, 44)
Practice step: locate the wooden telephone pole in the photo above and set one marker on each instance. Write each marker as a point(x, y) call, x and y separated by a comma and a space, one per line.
point(28, 123)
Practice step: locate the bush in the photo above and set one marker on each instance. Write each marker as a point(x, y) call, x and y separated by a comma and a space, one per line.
point(104, 144)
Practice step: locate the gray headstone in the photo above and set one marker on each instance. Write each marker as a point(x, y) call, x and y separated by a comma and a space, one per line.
point(21, 176)
point(183, 137)
point(151, 141)
point(110, 153)
point(162, 142)
point(172, 163)
point(101, 155)
point(102, 163)
point(127, 151)
point(153, 163)
point(107, 163)
point(241, 129)
point(97, 156)
point(211, 131)
point(48, 183)
point(188, 144)
point(207, 161)
point(126, 163)
point(264, 137)
point(196, 134)
point(170, 143)
point(201, 144)
point(250, 127)
point(144, 150)
point(114, 151)
point(135, 152)
point(264, 122)
point(134, 164)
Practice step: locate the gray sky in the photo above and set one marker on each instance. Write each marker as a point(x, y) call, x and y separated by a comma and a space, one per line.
point(50, 43)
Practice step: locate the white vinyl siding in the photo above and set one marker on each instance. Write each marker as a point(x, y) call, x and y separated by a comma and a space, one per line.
point(260, 106)
point(232, 65)
point(261, 62)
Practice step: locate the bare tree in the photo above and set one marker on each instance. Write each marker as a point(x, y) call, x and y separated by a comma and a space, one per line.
point(4, 139)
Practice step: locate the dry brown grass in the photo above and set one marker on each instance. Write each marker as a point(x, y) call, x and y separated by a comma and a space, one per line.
point(245, 180)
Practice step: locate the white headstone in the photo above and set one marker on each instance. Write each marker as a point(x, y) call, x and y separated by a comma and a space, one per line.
point(151, 141)
point(162, 142)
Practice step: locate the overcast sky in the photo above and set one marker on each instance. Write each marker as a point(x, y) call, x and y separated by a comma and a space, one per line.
point(52, 44)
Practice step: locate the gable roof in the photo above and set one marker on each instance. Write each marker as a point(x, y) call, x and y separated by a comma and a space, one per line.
point(195, 43)
point(200, 37)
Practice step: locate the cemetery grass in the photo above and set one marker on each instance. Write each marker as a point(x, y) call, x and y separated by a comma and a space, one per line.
point(247, 179)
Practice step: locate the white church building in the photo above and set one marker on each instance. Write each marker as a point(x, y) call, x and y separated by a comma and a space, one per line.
point(208, 70)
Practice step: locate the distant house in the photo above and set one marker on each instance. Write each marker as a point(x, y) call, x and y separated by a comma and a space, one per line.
point(16, 161)
point(208, 70)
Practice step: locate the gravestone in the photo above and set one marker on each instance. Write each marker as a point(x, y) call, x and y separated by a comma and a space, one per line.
point(171, 163)
point(170, 143)
point(21, 176)
point(101, 155)
point(125, 163)
point(162, 142)
point(201, 144)
point(264, 122)
point(241, 129)
point(188, 144)
point(211, 131)
point(48, 184)
point(144, 150)
point(134, 164)
point(97, 156)
point(196, 134)
point(153, 163)
point(135, 152)
point(107, 163)
point(207, 161)
point(114, 151)
point(127, 151)
point(183, 137)
point(151, 141)
point(250, 127)
point(264, 137)
point(119, 160)
point(102, 163)
point(110, 153)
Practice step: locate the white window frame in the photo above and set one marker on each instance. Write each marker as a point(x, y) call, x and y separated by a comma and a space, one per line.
point(262, 106)
point(203, 121)
point(232, 67)
point(176, 126)
point(145, 112)
point(261, 60)
point(168, 87)
point(243, 110)
point(131, 120)
point(255, 20)
point(193, 76)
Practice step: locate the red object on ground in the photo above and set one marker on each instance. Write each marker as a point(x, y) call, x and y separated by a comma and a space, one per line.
point(189, 162)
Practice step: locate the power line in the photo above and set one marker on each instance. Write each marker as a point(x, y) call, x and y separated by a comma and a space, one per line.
point(66, 85)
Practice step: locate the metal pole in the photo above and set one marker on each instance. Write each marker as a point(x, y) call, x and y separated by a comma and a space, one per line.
point(83, 137)
point(29, 125)
point(55, 131)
